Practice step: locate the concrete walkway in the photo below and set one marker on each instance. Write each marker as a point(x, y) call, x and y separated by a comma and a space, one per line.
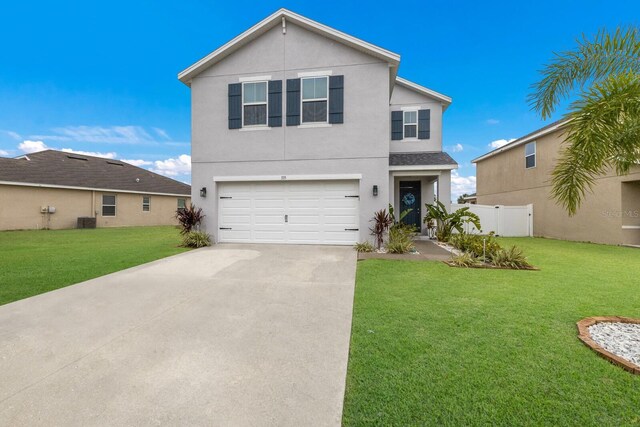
point(234, 335)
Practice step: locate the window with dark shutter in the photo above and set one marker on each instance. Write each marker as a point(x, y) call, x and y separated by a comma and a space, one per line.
point(396, 125)
point(315, 99)
point(254, 103)
point(235, 105)
point(336, 99)
point(424, 124)
point(293, 102)
point(275, 103)
point(410, 124)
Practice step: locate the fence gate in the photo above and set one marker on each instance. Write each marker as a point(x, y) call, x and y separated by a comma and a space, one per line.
point(507, 221)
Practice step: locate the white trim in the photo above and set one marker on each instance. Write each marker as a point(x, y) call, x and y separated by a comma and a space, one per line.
point(254, 79)
point(315, 125)
point(418, 168)
point(271, 21)
point(302, 100)
point(254, 127)
point(521, 141)
point(631, 227)
point(105, 190)
point(399, 174)
point(330, 177)
point(410, 108)
point(425, 91)
point(316, 73)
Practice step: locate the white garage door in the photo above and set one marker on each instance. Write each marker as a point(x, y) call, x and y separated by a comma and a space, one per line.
point(315, 212)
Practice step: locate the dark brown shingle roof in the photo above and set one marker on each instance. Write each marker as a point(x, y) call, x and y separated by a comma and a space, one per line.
point(52, 167)
point(425, 158)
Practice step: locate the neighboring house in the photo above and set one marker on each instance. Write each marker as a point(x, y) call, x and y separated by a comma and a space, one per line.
point(520, 173)
point(471, 199)
point(300, 133)
point(52, 189)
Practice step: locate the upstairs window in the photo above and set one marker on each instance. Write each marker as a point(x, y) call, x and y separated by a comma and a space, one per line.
point(146, 203)
point(410, 124)
point(530, 155)
point(254, 104)
point(108, 205)
point(315, 91)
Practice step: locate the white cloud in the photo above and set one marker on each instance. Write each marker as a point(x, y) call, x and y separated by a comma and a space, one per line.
point(457, 148)
point(102, 135)
point(12, 134)
point(173, 167)
point(462, 184)
point(161, 133)
point(28, 146)
point(109, 155)
point(138, 162)
point(500, 142)
point(493, 121)
point(4, 153)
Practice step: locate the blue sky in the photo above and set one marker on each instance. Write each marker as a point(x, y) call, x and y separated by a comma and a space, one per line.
point(101, 77)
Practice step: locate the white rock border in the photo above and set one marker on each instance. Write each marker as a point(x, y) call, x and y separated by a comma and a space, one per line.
point(584, 335)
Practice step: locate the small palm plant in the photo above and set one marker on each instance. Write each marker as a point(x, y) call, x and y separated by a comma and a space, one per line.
point(447, 222)
point(381, 223)
point(189, 218)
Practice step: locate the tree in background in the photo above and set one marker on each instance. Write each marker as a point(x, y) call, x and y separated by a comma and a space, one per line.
point(603, 128)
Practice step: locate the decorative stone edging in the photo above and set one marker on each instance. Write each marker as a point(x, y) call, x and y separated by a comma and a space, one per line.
point(585, 337)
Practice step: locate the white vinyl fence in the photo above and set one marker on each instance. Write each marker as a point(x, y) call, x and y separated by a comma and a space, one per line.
point(507, 221)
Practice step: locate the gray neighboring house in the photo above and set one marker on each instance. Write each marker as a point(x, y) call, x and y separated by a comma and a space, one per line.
point(301, 132)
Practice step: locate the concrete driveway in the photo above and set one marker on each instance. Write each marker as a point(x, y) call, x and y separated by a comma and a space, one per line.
point(232, 335)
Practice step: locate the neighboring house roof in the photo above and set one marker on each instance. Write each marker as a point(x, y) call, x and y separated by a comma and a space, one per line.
point(439, 159)
point(280, 17)
point(552, 127)
point(52, 168)
point(446, 101)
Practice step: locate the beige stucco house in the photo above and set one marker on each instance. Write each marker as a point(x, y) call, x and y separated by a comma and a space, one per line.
point(520, 173)
point(52, 189)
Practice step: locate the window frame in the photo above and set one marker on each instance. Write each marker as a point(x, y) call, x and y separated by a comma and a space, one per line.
point(115, 205)
point(147, 204)
point(534, 155)
point(178, 203)
point(302, 100)
point(405, 124)
point(266, 103)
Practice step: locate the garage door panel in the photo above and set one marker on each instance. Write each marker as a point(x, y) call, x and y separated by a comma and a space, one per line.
point(318, 212)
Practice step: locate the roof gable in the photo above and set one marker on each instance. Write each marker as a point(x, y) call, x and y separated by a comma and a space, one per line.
point(444, 99)
point(281, 17)
point(57, 168)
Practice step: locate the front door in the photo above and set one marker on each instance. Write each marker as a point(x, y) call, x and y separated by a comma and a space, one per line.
point(410, 199)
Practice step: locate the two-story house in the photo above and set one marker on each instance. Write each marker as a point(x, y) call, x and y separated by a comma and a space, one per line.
point(301, 132)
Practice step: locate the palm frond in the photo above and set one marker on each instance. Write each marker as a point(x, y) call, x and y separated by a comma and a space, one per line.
point(591, 61)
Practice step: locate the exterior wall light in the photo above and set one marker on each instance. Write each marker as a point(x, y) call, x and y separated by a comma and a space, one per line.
point(375, 190)
point(203, 192)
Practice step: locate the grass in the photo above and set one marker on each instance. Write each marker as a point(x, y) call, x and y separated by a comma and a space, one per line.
point(37, 261)
point(435, 345)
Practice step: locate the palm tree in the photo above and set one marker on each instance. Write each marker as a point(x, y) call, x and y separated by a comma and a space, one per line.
point(603, 124)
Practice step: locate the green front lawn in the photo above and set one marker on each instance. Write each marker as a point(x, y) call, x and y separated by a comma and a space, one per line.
point(435, 345)
point(33, 262)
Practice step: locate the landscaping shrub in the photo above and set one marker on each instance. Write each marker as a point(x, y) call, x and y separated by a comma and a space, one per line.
point(364, 247)
point(196, 239)
point(466, 260)
point(447, 222)
point(401, 238)
point(189, 218)
point(474, 243)
point(511, 258)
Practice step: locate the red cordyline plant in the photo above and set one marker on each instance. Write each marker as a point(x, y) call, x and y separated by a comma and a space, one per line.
point(381, 223)
point(189, 218)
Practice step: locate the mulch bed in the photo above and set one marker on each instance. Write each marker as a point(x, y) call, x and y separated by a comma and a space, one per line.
point(427, 251)
point(491, 267)
point(585, 337)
